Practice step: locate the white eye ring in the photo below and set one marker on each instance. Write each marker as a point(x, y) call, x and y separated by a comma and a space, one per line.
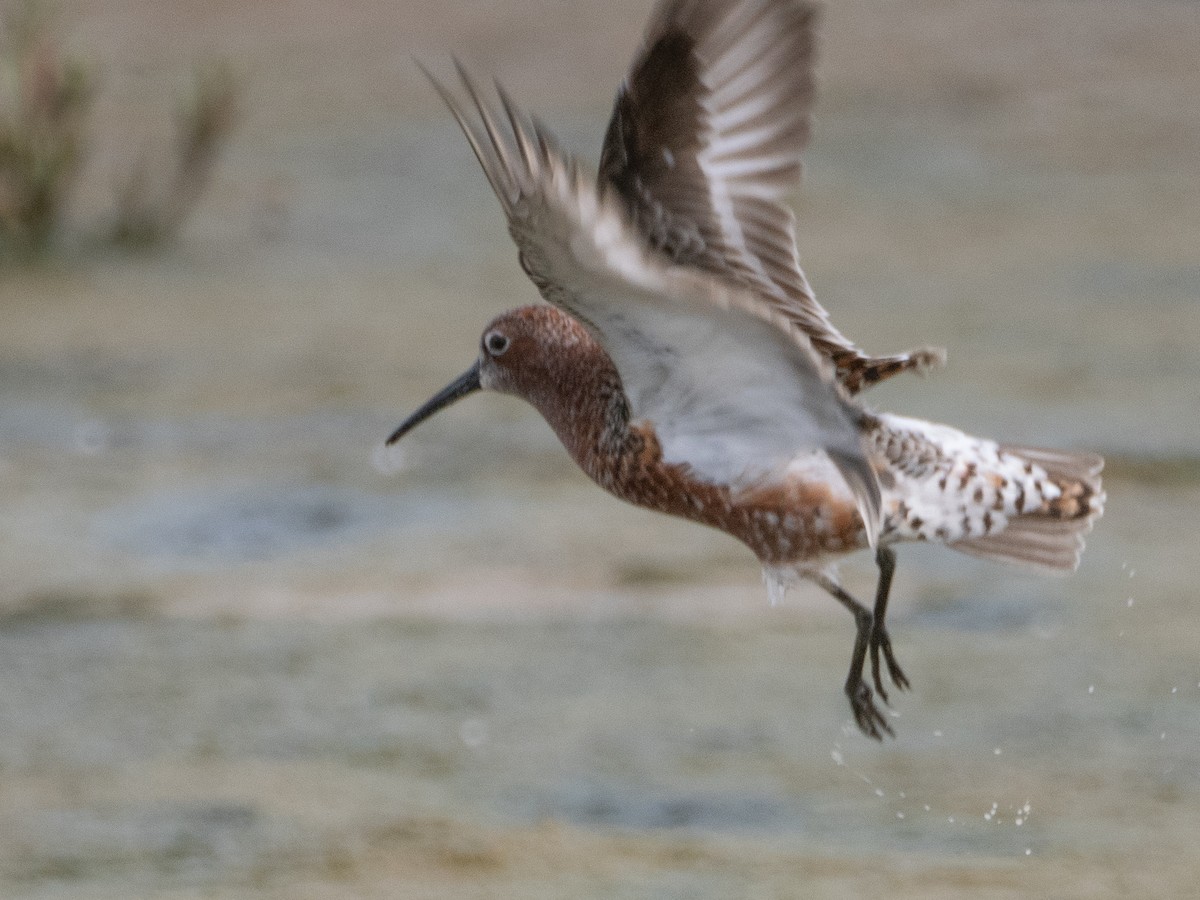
point(496, 343)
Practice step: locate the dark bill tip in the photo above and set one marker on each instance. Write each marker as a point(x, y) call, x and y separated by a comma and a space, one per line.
point(466, 383)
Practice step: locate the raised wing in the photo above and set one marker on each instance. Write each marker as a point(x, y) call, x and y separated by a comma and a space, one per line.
point(731, 386)
point(704, 143)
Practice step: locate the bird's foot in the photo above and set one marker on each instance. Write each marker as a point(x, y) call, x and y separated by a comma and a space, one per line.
point(866, 714)
point(879, 641)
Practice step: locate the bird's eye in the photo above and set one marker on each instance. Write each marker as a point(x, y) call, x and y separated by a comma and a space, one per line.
point(495, 342)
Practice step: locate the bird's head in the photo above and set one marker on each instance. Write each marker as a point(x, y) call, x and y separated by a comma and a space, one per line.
point(526, 352)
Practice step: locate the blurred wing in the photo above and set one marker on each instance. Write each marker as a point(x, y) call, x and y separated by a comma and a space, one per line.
point(733, 389)
point(705, 141)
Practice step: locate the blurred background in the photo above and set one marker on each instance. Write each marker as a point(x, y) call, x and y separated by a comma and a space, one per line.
point(246, 653)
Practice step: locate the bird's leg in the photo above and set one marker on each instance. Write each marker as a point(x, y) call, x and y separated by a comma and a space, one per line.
point(885, 558)
point(866, 713)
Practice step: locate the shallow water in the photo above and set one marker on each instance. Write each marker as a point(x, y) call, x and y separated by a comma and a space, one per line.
point(245, 653)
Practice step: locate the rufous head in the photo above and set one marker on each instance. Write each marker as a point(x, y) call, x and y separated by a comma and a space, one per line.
point(522, 352)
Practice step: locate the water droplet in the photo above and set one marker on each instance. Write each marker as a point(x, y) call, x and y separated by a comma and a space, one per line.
point(939, 734)
point(899, 815)
point(926, 807)
point(1019, 821)
point(387, 460)
point(1129, 602)
point(997, 751)
point(878, 792)
point(473, 732)
point(837, 757)
point(1028, 851)
point(92, 437)
point(1091, 689)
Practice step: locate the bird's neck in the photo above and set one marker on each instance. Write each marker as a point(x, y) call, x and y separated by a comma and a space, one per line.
point(582, 398)
point(584, 402)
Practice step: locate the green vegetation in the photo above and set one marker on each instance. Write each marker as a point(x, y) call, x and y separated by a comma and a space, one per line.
point(45, 96)
point(149, 214)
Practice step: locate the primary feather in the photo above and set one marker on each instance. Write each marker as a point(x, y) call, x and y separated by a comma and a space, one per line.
point(704, 144)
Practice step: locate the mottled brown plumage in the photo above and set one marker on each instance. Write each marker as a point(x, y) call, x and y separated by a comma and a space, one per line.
point(553, 363)
point(1014, 504)
point(696, 374)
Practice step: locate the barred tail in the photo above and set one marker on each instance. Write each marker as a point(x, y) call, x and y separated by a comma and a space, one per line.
point(1051, 535)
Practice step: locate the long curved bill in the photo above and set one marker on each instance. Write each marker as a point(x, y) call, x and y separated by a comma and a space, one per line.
point(466, 383)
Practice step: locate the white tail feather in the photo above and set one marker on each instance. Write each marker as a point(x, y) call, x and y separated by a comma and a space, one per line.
point(1051, 538)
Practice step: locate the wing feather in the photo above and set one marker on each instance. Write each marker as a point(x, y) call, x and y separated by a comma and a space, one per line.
point(732, 386)
point(706, 140)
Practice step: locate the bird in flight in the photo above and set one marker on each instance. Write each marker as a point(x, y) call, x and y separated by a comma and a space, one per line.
point(684, 360)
